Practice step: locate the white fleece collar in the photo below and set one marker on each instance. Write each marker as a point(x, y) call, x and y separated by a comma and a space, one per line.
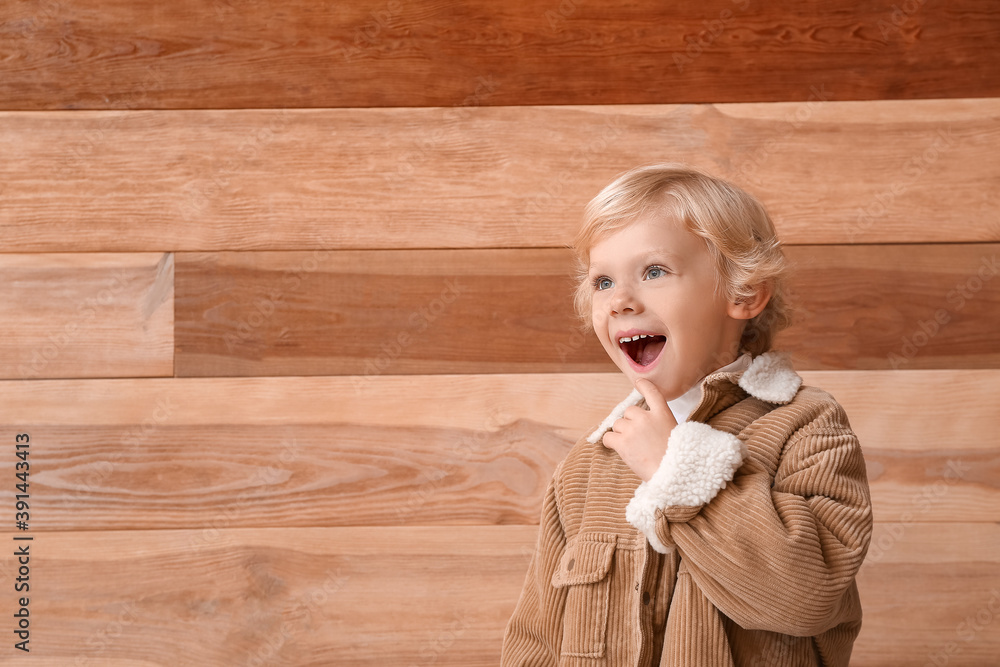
point(770, 377)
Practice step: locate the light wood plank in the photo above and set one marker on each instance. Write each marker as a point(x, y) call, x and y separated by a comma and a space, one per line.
point(918, 410)
point(930, 593)
point(366, 595)
point(348, 597)
point(280, 179)
point(217, 453)
point(368, 53)
point(86, 315)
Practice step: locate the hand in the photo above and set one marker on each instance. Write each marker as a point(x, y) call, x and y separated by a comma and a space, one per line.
point(640, 436)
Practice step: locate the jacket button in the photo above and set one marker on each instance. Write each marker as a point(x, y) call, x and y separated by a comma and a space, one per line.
point(570, 564)
point(645, 597)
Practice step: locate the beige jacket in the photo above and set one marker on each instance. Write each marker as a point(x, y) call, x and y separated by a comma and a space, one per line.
point(740, 550)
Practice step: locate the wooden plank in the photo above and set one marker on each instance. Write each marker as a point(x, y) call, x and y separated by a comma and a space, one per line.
point(215, 453)
point(314, 451)
point(327, 312)
point(86, 315)
point(85, 54)
point(278, 179)
point(883, 407)
point(315, 596)
point(505, 310)
point(896, 306)
point(930, 595)
point(375, 312)
point(357, 596)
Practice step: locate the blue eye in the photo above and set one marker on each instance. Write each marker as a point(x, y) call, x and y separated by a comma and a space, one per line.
point(655, 272)
point(602, 283)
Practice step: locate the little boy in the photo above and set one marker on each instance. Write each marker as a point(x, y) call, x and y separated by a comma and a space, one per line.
point(720, 513)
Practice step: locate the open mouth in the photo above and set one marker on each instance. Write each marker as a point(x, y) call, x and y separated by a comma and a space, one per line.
point(644, 348)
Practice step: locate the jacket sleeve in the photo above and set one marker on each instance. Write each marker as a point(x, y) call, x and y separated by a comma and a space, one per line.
point(776, 546)
point(533, 636)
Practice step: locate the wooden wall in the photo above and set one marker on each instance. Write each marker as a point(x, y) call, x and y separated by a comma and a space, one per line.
point(286, 312)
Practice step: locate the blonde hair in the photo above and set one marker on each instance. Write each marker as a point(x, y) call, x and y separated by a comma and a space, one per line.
point(737, 230)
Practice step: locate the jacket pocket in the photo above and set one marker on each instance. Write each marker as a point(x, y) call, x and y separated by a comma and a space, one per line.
point(583, 570)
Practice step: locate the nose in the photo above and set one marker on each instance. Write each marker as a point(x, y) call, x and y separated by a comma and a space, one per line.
point(624, 301)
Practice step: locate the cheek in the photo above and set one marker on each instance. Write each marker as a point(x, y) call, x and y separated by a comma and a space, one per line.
point(600, 324)
point(596, 314)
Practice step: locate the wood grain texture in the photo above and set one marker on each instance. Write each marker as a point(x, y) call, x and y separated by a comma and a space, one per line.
point(85, 54)
point(86, 315)
point(423, 595)
point(477, 311)
point(895, 306)
point(930, 595)
point(328, 312)
point(358, 596)
point(210, 454)
point(376, 312)
point(378, 365)
point(279, 179)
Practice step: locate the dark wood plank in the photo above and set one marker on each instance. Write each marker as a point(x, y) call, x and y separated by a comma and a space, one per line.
point(492, 311)
point(214, 453)
point(321, 596)
point(90, 54)
point(896, 306)
point(379, 312)
point(266, 179)
point(86, 315)
point(861, 307)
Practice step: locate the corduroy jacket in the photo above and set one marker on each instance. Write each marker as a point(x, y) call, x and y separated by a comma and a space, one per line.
point(742, 549)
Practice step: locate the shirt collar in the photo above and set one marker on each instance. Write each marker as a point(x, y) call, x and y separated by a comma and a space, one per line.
point(683, 405)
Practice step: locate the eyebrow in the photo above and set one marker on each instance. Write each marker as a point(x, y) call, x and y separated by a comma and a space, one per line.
point(649, 254)
point(663, 252)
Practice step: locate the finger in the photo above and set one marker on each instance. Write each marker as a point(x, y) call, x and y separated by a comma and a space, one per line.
point(649, 391)
point(610, 440)
point(633, 412)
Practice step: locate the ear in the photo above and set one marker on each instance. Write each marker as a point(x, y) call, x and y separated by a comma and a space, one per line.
point(750, 307)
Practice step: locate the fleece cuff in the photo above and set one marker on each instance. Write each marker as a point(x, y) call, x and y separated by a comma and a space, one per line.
point(698, 463)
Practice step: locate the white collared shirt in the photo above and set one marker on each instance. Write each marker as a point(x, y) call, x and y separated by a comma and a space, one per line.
point(683, 405)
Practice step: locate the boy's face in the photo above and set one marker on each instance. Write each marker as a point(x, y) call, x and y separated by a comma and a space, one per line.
point(657, 278)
